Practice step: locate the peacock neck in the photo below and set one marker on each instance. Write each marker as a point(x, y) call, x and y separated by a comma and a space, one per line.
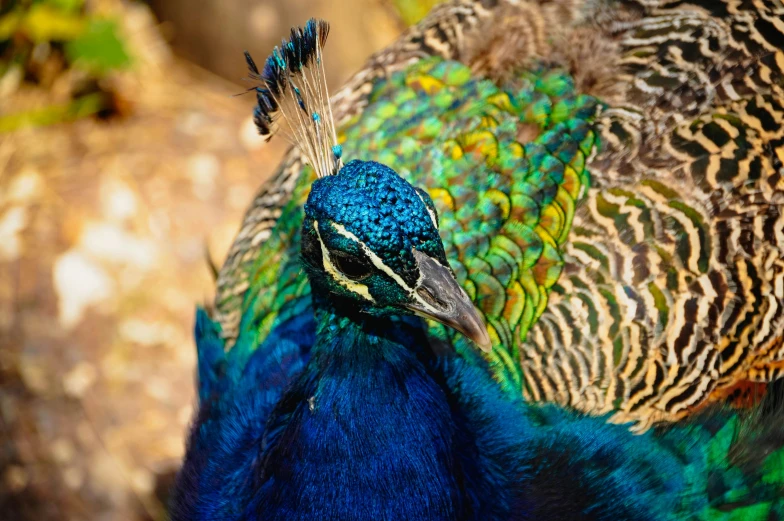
point(345, 333)
point(367, 420)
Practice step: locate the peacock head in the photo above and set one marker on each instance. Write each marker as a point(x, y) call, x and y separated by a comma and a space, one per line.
point(370, 240)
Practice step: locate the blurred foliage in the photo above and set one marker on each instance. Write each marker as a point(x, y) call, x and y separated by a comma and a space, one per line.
point(98, 48)
point(82, 106)
point(44, 43)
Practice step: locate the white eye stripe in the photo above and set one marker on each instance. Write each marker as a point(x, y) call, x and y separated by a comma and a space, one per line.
point(378, 263)
point(375, 259)
point(431, 212)
point(337, 275)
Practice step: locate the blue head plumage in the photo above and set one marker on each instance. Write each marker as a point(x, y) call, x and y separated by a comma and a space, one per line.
point(380, 208)
point(364, 234)
point(369, 239)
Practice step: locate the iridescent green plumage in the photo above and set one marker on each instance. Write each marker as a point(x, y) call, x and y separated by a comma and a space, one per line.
point(669, 292)
point(505, 205)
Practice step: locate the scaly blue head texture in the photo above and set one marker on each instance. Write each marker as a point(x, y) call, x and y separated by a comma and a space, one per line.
point(389, 215)
point(361, 230)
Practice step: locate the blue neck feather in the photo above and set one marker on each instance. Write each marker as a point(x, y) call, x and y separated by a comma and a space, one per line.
point(365, 418)
point(378, 427)
point(373, 425)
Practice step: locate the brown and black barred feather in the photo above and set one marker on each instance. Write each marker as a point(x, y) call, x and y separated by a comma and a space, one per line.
point(672, 295)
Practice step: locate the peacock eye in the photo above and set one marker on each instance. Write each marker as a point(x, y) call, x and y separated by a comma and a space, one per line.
point(350, 266)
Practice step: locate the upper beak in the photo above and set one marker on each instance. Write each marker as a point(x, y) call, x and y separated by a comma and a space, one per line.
point(440, 297)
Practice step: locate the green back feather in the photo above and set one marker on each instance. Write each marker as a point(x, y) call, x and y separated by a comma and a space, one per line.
point(504, 168)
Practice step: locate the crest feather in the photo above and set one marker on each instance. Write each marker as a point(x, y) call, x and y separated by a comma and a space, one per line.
point(293, 97)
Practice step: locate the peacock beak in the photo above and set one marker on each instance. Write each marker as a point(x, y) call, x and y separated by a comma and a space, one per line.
point(438, 296)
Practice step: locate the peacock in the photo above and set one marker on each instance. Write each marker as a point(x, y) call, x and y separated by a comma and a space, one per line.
point(527, 264)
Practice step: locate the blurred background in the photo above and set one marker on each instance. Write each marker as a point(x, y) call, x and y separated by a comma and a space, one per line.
point(125, 161)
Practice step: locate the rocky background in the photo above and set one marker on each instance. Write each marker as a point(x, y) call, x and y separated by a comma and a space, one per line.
point(124, 166)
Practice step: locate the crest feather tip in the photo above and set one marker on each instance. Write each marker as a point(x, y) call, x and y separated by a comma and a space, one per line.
point(293, 92)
